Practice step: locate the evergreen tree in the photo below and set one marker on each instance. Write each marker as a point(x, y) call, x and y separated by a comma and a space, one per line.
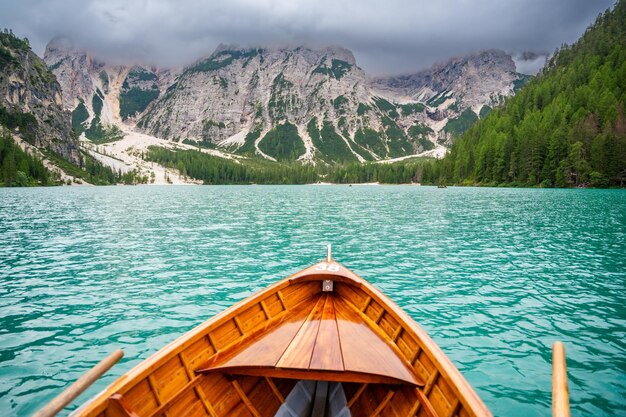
point(565, 128)
point(18, 168)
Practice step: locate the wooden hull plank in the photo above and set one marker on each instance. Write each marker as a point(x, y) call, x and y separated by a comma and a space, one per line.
point(266, 350)
point(298, 353)
point(327, 353)
point(364, 351)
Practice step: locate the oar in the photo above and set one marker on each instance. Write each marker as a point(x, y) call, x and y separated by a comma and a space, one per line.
point(74, 390)
point(560, 395)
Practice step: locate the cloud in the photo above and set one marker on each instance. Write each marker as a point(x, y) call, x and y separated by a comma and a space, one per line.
point(530, 63)
point(394, 36)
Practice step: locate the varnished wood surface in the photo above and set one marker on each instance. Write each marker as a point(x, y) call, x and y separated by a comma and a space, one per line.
point(560, 392)
point(298, 352)
point(328, 353)
point(291, 317)
point(333, 343)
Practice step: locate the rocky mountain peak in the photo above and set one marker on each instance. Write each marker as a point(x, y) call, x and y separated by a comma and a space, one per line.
point(310, 103)
point(332, 51)
point(477, 82)
point(102, 96)
point(247, 92)
point(495, 57)
point(338, 52)
point(58, 45)
point(442, 75)
point(71, 67)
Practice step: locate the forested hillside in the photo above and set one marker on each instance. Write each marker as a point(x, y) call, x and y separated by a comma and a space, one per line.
point(17, 168)
point(566, 128)
point(212, 170)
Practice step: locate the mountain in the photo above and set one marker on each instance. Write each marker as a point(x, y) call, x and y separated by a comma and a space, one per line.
point(283, 103)
point(472, 80)
point(566, 128)
point(38, 145)
point(30, 99)
point(460, 90)
point(102, 97)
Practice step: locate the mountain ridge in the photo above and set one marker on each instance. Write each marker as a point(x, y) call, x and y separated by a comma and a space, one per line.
point(236, 96)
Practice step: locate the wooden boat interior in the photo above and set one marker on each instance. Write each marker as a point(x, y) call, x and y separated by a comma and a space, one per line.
point(323, 326)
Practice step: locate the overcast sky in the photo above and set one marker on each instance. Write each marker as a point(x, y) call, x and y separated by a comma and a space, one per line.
point(387, 37)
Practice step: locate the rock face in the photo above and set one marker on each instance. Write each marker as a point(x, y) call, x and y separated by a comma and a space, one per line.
point(286, 103)
point(101, 96)
point(460, 90)
point(237, 97)
point(31, 94)
point(71, 70)
point(472, 80)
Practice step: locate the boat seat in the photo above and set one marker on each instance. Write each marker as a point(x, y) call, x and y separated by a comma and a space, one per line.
point(315, 399)
point(337, 401)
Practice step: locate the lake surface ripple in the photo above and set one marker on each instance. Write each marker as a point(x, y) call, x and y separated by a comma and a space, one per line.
point(495, 276)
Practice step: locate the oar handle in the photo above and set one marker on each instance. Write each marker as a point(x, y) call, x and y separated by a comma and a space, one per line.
point(560, 395)
point(74, 390)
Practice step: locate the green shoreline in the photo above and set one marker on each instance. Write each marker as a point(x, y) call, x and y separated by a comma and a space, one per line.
point(318, 185)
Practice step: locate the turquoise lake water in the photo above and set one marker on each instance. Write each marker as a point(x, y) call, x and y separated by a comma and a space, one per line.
point(494, 275)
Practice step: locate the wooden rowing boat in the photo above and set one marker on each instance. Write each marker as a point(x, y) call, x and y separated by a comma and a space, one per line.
point(321, 342)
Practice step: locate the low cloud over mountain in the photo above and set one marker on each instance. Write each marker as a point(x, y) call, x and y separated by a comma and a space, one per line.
point(390, 37)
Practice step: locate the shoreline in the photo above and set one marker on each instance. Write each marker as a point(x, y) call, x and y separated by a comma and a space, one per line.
point(365, 184)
